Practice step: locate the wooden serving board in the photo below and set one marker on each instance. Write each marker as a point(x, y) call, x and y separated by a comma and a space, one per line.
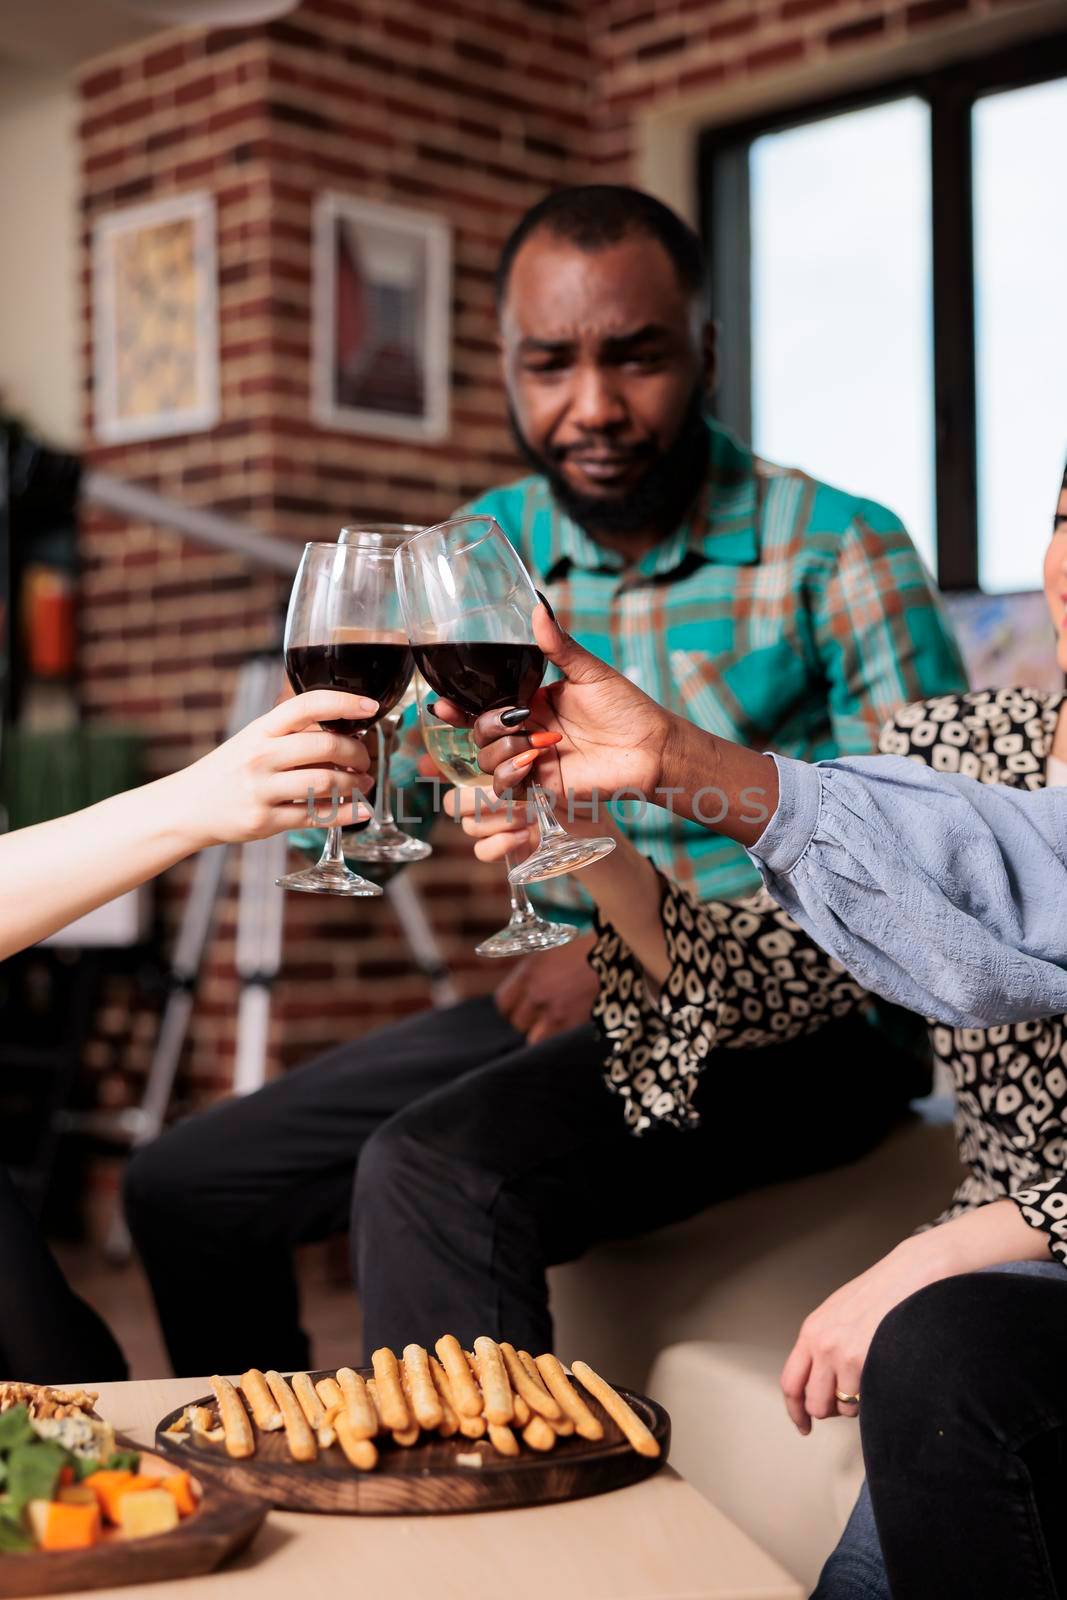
point(427, 1479)
point(221, 1526)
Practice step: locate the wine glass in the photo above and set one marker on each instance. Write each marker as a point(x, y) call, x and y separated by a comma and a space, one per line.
point(468, 604)
point(454, 751)
point(382, 839)
point(343, 632)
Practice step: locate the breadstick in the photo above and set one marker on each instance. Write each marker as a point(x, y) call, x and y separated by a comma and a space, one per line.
point(530, 1387)
point(642, 1439)
point(359, 1451)
point(522, 1411)
point(265, 1413)
point(407, 1436)
point(236, 1428)
point(329, 1392)
point(298, 1436)
point(465, 1396)
point(503, 1440)
point(449, 1421)
point(310, 1404)
point(469, 1427)
point(359, 1407)
point(391, 1402)
point(326, 1432)
point(539, 1433)
point(561, 1425)
point(420, 1389)
point(559, 1386)
point(499, 1407)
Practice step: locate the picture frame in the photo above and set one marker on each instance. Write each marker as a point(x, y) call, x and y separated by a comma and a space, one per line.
point(381, 319)
point(155, 320)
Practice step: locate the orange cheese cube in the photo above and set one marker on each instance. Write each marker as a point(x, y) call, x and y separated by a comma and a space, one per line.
point(62, 1527)
point(111, 1485)
point(180, 1485)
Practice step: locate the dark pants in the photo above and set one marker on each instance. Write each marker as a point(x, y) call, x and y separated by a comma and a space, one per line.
point(465, 1162)
point(964, 1423)
point(47, 1335)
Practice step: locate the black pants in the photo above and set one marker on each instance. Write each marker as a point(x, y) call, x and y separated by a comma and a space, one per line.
point(47, 1335)
point(964, 1423)
point(465, 1162)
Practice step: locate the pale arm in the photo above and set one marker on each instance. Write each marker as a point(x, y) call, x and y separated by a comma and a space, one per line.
point(254, 785)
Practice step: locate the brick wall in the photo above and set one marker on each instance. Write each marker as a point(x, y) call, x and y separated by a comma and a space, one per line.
point(466, 109)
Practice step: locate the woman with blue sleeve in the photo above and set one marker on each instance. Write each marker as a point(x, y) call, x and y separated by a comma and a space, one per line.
point(936, 875)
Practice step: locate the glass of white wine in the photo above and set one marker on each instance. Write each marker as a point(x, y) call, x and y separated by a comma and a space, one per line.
point(455, 753)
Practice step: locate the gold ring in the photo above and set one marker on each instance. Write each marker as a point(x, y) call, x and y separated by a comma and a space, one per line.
point(846, 1399)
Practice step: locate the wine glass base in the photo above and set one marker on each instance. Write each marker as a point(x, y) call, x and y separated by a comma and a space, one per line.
point(329, 880)
point(387, 844)
point(557, 856)
point(525, 936)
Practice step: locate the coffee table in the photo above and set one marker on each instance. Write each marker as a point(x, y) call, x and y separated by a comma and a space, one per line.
point(657, 1540)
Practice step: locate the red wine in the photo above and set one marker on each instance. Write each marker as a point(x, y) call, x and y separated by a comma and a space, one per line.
point(378, 668)
point(478, 676)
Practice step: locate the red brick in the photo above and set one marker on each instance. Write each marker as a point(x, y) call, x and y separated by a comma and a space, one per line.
point(101, 83)
point(806, 8)
point(732, 27)
point(926, 11)
point(167, 60)
point(855, 32)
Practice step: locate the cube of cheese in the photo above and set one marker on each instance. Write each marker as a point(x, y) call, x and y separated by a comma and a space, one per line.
point(63, 1527)
point(150, 1512)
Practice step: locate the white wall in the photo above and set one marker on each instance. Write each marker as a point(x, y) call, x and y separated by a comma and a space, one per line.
point(39, 337)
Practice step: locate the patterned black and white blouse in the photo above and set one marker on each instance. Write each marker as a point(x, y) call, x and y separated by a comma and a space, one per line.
point(743, 974)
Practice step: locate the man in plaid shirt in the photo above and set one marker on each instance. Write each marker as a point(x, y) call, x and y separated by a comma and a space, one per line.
point(469, 1150)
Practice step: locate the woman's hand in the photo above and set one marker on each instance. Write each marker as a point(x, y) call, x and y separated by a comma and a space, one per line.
point(613, 735)
point(833, 1341)
point(832, 1344)
point(267, 777)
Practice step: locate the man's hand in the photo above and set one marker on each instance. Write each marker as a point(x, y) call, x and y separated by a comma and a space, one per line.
point(548, 993)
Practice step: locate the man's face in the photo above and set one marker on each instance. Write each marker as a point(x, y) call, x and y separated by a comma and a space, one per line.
point(605, 356)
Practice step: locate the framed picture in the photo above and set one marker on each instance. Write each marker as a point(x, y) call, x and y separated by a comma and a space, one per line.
point(381, 319)
point(155, 320)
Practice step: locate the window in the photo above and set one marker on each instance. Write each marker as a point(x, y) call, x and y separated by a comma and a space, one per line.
point(888, 274)
point(1020, 276)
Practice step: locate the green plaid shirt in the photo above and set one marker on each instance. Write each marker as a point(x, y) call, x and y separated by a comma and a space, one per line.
point(782, 614)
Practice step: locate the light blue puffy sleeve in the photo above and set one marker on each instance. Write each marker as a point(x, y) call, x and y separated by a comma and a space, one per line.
point(937, 892)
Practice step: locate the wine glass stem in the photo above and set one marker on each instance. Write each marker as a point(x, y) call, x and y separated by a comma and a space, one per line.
point(521, 907)
point(383, 812)
point(547, 826)
point(332, 854)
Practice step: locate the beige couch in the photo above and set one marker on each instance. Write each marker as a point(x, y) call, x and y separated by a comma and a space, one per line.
point(702, 1315)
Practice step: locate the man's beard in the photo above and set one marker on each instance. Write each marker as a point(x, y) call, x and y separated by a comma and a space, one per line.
point(659, 499)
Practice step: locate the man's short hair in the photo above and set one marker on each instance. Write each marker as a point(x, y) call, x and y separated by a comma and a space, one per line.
point(595, 215)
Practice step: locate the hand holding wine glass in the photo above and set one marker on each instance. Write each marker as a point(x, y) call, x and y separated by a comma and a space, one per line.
point(610, 735)
point(342, 632)
point(468, 602)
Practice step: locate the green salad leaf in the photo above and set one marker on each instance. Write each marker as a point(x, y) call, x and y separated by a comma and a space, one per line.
point(14, 1538)
point(15, 1428)
point(33, 1471)
point(118, 1461)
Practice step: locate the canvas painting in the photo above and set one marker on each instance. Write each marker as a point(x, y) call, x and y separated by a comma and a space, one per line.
point(382, 287)
point(155, 320)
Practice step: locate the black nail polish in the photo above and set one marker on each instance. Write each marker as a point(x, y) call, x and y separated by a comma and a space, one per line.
point(431, 707)
point(545, 603)
point(512, 718)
